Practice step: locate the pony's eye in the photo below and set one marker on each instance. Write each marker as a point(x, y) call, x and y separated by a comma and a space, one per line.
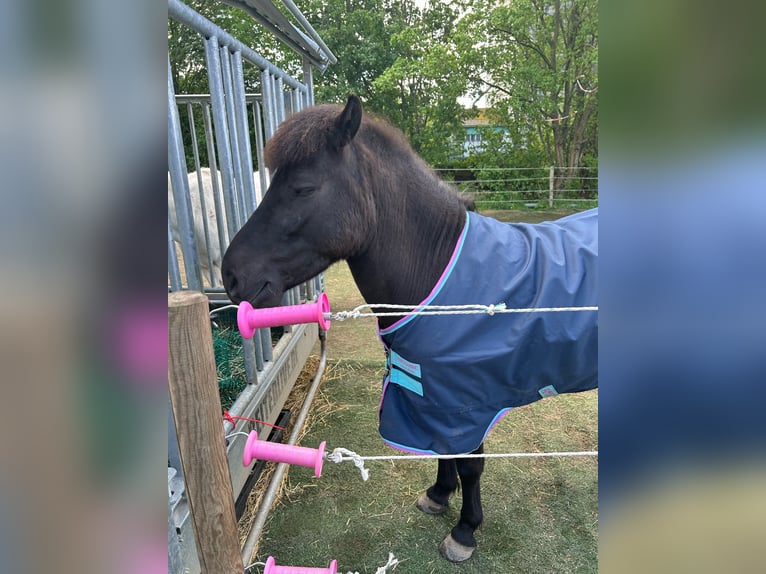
point(302, 191)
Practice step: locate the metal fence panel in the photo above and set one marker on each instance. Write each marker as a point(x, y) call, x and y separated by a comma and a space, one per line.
point(235, 127)
point(180, 190)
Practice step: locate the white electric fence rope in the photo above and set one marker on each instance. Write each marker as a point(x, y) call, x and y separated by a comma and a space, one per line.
point(401, 310)
point(392, 562)
point(219, 309)
point(339, 455)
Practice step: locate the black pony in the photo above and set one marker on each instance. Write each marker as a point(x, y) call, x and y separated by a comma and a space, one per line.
point(349, 186)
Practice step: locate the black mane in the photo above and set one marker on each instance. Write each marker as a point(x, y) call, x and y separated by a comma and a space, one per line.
point(305, 134)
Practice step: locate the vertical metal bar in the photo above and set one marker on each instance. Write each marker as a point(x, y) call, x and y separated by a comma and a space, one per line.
point(308, 80)
point(265, 104)
point(261, 118)
point(262, 171)
point(269, 115)
point(228, 86)
point(259, 358)
point(258, 350)
point(296, 101)
point(221, 131)
point(248, 352)
point(220, 214)
point(180, 185)
point(287, 299)
point(266, 344)
point(310, 290)
point(275, 118)
point(245, 153)
point(253, 137)
point(202, 199)
point(173, 269)
point(279, 94)
point(288, 99)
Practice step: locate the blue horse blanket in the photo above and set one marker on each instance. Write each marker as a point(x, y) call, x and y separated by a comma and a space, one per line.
point(450, 378)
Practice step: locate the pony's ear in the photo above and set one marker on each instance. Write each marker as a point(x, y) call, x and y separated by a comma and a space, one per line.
point(347, 123)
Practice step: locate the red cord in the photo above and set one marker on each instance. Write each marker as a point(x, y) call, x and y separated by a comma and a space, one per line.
point(233, 420)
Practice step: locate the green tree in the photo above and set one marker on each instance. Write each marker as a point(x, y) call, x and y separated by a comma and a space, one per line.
point(537, 62)
point(187, 52)
point(404, 61)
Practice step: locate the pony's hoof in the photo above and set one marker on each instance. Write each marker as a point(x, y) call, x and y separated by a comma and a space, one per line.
point(454, 551)
point(428, 506)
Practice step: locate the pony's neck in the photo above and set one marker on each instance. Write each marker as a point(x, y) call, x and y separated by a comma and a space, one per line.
point(418, 224)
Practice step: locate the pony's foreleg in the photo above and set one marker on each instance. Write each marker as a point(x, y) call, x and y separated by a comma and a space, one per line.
point(460, 544)
point(435, 499)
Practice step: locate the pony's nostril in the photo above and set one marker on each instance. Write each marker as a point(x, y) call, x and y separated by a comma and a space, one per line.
point(230, 282)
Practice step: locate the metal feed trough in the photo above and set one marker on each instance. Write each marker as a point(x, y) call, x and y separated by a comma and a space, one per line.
point(236, 127)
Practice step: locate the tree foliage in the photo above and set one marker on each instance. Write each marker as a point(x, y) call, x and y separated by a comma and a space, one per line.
point(537, 61)
point(187, 53)
point(404, 61)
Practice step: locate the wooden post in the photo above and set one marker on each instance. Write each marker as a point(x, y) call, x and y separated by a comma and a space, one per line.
point(551, 181)
point(199, 428)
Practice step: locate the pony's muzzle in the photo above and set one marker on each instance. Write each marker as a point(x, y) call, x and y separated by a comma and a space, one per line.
point(232, 284)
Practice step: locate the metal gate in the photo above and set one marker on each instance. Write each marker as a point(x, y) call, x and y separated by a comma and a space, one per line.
point(208, 205)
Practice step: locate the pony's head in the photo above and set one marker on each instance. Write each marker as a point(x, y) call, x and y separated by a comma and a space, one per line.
point(316, 211)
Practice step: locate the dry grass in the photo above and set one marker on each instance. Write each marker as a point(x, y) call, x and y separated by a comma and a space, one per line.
point(293, 403)
point(321, 409)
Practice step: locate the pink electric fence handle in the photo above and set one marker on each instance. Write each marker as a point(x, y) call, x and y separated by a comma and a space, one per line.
point(249, 319)
point(272, 568)
point(278, 452)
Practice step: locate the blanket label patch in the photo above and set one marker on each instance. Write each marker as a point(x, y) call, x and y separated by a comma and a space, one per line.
point(549, 391)
point(407, 366)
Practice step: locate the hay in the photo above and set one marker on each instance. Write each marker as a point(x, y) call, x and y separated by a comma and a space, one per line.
point(230, 365)
point(320, 408)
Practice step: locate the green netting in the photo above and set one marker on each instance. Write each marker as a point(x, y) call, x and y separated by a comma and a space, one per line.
point(230, 365)
point(229, 361)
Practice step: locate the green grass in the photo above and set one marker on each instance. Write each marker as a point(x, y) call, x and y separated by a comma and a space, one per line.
point(540, 515)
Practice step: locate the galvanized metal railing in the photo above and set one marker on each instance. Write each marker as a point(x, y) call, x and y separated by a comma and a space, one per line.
point(227, 130)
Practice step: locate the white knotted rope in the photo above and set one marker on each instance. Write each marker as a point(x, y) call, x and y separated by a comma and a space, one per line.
point(339, 455)
point(392, 562)
point(401, 310)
